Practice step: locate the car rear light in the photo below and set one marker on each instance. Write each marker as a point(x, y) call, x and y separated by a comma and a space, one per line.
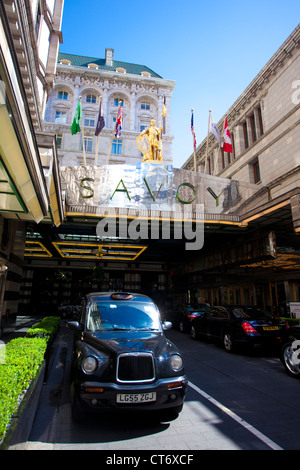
point(287, 325)
point(191, 316)
point(248, 328)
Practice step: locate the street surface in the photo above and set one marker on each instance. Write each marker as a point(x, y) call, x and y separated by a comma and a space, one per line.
point(234, 402)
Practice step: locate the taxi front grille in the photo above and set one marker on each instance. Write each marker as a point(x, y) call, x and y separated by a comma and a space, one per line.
point(135, 367)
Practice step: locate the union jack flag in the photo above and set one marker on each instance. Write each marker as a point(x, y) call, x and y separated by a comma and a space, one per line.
point(118, 124)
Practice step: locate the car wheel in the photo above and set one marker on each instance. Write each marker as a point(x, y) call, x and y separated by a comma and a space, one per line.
point(194, 334)
point(290, 357)
point(228, 342)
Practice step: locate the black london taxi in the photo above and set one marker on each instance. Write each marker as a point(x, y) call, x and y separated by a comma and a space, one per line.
point(122, 361)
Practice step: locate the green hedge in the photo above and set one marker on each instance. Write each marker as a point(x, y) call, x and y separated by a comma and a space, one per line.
point(23, 358)
point(291, 321)
point(46, 328)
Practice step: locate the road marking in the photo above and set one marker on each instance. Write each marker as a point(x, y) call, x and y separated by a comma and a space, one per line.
point(239, 420)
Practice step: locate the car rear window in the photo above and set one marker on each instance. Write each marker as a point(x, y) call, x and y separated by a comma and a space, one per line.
point(121, 315)
point(251, 313)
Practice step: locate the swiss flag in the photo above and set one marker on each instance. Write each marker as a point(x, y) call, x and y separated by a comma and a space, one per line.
point(227, 145)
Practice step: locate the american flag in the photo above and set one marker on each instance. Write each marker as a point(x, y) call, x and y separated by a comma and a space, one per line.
point(118, 124)
point(192, 129)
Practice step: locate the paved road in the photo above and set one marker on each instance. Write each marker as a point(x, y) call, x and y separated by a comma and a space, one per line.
point(234, 402)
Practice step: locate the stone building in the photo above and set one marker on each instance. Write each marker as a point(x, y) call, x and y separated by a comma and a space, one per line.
point(30, 33)
point(57, 187)
point(264, 123)
point(140, 91)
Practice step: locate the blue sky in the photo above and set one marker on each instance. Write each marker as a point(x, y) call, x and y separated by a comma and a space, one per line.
point(212, 50)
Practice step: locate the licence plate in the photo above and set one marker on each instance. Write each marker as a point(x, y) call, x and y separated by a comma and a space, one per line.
point(136, 397)
point(270, 328)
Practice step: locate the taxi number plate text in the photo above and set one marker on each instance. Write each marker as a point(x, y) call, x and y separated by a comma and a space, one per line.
point(136, 397)
point(270, 328)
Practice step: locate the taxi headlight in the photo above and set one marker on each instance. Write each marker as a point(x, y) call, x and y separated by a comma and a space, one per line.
point(176, 362)
point(89, 364)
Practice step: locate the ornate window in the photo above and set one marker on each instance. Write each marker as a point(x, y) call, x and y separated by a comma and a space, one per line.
point(62, 95)
point(90, 99)
point(145, 105)
point(89, 121)
point(60, 117)
point(116, 147)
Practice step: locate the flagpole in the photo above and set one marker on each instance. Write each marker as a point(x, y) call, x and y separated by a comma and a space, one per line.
point(163, 115)
point(111, 142)
point(195, 166)
point(97, 141)
point(218, 156)
point(217, 159)
point(96, 151)
point(82, 133)
point(206, 156)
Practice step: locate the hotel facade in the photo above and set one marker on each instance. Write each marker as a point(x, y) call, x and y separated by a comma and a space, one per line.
point(73, 220)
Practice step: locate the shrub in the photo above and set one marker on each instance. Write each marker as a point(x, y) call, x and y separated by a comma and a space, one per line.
point(46, 328)
point(291, 321)
point(23, 358)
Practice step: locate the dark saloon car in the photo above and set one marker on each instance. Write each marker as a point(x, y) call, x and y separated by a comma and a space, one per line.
point(185, 321)
point(290, 352)
point(182, 316)
point(239, 325)
point(122, 360)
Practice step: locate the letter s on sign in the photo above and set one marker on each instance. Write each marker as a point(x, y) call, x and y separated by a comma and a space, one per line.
point(87, 188)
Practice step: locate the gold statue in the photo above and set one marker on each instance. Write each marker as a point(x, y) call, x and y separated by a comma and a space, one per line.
point(150, 142)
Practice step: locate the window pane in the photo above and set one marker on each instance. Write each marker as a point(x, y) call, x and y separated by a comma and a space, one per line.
point(60, 117)
point(118, 101)
point(59, 141)
point(117, 147)
point(253, 129)
point(260, 121)
point(145, 106)
point(89, 121)
point(62, 95)
point(88, 144)
point(90, 99)
point(245, 130)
